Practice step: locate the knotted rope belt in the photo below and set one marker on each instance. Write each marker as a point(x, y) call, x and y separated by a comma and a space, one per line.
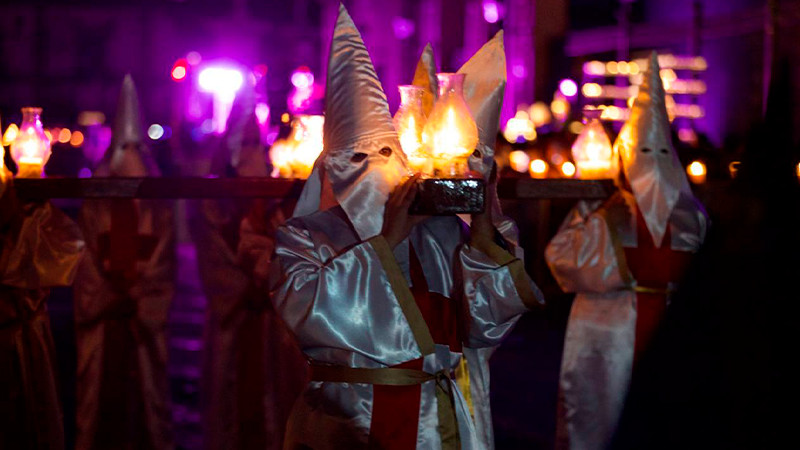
point(394, 376)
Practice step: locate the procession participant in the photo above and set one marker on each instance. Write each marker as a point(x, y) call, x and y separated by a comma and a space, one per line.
point(382, 302)
point(253, 369)
point(622, 257)
point(123, 293)
point(484, 86)
point(40, 248)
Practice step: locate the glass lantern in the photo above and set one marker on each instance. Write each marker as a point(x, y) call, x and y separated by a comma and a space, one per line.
point(592, 150)
point(307, 135)
point(31, 149)
point(409, 121)
point(450, 133)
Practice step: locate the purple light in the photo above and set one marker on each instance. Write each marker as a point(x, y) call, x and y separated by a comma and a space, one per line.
point(262, 113)
point(568, 87)
point(491, 11)
point(85, 172)
point(518, 70)
point(403, 28)
point(302, 78)
point(220, 80)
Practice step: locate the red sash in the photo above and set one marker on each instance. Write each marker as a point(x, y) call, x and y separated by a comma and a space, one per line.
point(653, 268)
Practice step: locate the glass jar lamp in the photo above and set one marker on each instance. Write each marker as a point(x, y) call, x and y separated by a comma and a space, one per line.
point(450, 132)
point(31, 149)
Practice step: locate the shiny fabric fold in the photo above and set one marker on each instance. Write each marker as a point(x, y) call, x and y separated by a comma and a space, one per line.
point(588, 257)
point(334, 292)
point(40, 248)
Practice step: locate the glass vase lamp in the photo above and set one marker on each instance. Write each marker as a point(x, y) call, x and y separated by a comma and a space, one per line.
point(31, 148)
point(450, 133)
point(307, 134)
point(409, 121)
point(592, 150)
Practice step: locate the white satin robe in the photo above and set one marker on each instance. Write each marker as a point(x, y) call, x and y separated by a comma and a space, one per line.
point(332, 290)
point(598, 353)
point(39, 252)
point(124, 325)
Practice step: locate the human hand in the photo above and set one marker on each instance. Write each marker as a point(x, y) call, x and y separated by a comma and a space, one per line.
point(481, 225)
point(397, 222)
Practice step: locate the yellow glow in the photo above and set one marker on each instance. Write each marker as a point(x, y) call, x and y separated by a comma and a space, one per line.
point(49, 135)
point(560, 108)
point(540, 114)
point(11, 133)
point(697, 172)
point(519, 160)
point(538, 168)
point(285, 118)
point(77, 139)
point(612, 67)
point(630, 101)
point(307, 145)
point(733, 168)
point(592, 90)
point(612, 112)
point(516, 128)
point(568, 169)
point(592, 152)
point(623, 67)
point(64, 135)
point(575, 127)
point(633, 68)
point(798, 170)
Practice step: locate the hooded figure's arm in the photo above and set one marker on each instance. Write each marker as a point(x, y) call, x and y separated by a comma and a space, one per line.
point(497, 290)
point(340, 301)
point(582, 255)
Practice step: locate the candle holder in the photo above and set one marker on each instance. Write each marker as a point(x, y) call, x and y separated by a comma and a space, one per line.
point(592, 151)
point(31, 149)
point(449, 137)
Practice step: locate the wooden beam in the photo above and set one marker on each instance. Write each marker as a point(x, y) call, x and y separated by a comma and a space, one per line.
point(153, 188)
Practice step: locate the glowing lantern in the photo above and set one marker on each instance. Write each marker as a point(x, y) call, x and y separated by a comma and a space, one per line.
point(280, 154)
point(519, 160)
point(592, 152)
point(308, 144)
point(539, 168)
point(697, 172)
point(11, 133)
point(450, 132)
point(409, 121)
point(31, 148)
point(568, 169)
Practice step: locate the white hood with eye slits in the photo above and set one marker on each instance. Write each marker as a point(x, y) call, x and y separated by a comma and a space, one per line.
point(362, 159)
point(649, 160)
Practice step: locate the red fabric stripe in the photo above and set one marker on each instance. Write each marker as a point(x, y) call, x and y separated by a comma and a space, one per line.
point(652, 267)
point(395, 413)
point(440, 313)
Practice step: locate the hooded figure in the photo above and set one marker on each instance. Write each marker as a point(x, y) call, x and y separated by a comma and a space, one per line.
point(253, 370)
point(122, 297)
point(622, 258)
point(484, 85)
point(40, 248)
point(383, 328)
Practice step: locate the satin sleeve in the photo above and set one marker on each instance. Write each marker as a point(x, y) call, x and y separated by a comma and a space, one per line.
point(582, 255)
point(342, 301)
point(497, 291)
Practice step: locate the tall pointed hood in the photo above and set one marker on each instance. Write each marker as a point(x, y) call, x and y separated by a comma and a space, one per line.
point(362, 160)
point(425, 77)
point(243, 137)
point(129, 155)
point(484, 85)
point(649, 159)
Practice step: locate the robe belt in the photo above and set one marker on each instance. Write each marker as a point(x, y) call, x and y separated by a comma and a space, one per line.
point(395, 376)
point(651, 290)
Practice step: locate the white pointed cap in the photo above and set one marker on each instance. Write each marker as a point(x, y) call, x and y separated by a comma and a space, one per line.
point(484, 85)
point(355, 104)
point(243, 136)
point(425, 77)
point(649, 159)
point(129, 155)
point(128, 126)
